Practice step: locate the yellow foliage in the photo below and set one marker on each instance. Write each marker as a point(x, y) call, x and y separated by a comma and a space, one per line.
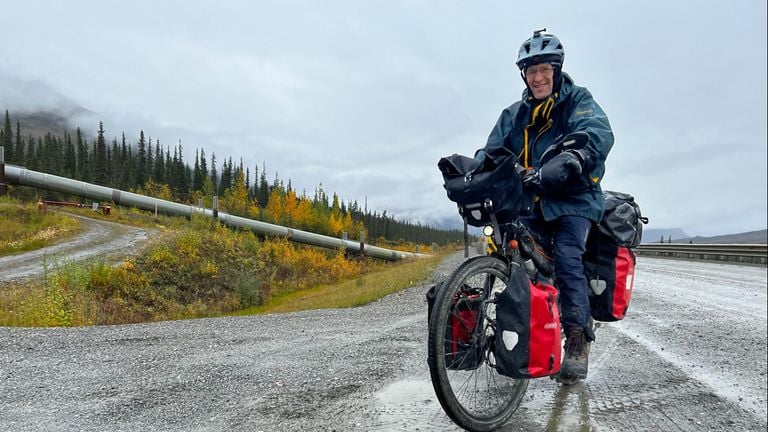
point(163, 256)
point(209, 269)
point(304, 215)
point(188, 243)
point(335, 224)
point(275, 206)
point(156, 190)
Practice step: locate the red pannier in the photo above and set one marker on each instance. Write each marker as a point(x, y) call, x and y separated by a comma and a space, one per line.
point(527, 343)
point(462, 352)
point(610, 271)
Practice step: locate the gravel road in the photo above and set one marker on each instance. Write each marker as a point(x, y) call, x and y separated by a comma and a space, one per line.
point(691, 356)
point(102, 239)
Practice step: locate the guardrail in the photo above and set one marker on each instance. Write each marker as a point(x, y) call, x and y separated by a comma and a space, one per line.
point(736, 253)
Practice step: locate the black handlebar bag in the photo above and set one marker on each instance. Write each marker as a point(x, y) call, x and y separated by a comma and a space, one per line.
point(483, 188)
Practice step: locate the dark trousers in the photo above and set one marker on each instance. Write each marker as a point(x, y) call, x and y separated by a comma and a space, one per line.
point(566, 239)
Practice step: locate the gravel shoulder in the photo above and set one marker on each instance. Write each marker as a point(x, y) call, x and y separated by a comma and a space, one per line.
point(364, 369)
point(313, 370)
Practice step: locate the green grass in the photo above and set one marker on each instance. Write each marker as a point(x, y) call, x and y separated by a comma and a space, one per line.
point(194, 269)
point(359, 291)
point(23, 227)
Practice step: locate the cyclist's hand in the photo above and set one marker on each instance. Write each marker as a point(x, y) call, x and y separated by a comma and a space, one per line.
point(531, 177)
point(560, 168)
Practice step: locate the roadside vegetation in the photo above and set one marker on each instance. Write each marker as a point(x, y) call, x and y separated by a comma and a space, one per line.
point(200, 269)
point(196, 269)
point(25, 228)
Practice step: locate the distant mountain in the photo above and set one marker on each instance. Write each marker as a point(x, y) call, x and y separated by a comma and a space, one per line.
point(654, 235)
point(751, 237)
point(37, 106)
point(679, 236)
point(40, 123)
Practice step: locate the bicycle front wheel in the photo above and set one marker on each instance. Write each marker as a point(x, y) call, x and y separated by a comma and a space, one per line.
point(465, 380)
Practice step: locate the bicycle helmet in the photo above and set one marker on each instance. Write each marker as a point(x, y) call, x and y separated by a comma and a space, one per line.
point(542, 47)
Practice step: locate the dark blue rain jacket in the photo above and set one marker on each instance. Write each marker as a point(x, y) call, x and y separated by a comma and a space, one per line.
point(571, 109)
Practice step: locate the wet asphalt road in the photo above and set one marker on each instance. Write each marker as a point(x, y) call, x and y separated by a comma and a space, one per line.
point(690, 356)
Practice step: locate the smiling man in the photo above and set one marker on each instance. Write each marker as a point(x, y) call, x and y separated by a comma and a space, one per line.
point(562, 137)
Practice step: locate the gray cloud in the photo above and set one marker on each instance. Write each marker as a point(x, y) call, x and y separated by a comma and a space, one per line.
point(365, 97)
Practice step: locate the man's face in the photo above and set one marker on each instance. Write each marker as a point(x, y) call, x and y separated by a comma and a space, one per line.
point(540, 79)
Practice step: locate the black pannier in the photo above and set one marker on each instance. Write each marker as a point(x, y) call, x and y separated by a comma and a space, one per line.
point(475, 186)
point(610, 271)
point(622, 220)
point(609, 262)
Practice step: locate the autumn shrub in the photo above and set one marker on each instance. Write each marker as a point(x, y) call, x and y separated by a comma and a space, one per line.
point(24, 227)
point(197, 269)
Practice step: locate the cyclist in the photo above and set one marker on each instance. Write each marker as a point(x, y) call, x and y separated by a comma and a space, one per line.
point(564, 183)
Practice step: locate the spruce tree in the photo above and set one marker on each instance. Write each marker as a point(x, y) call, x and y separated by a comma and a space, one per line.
point(197, 175)
point(203, 164)
point(101, 165)
point(82, 157)
point(6, 140)
point(126, 163)
point(159, 168)
point(141, 160)
point(18, 149)
point(150, 163)
point(214, 174)
point(70, 157)
point(182, 174)
point(263, 194)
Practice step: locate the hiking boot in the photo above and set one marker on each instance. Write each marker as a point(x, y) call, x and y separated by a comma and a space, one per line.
point(576, 362)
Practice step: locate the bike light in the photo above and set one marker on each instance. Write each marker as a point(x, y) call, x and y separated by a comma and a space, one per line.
point(488, 230)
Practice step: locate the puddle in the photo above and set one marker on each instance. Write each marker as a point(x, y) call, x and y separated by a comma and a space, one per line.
point(409, 405)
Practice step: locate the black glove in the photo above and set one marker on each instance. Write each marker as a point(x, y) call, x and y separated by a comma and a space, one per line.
point(560, 169)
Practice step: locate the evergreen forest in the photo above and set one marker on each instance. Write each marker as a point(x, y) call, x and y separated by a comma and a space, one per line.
point(141, 165)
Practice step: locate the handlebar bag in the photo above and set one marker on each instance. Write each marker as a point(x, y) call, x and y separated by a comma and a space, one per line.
point(527, 343)
point(480, 188)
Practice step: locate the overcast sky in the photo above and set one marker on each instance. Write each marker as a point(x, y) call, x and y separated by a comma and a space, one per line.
point(366, 96)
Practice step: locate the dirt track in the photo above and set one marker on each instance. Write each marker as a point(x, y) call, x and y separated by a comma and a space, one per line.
point(106, 240)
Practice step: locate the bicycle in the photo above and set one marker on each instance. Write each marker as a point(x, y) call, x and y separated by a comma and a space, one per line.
point(469, 388)
point(477, 390)
point(462, 313)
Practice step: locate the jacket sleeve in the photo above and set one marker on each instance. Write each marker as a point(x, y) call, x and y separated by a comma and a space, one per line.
point(497, 137)
point(587, 116)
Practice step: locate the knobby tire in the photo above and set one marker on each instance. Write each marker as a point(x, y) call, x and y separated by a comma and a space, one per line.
point(477, 398)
